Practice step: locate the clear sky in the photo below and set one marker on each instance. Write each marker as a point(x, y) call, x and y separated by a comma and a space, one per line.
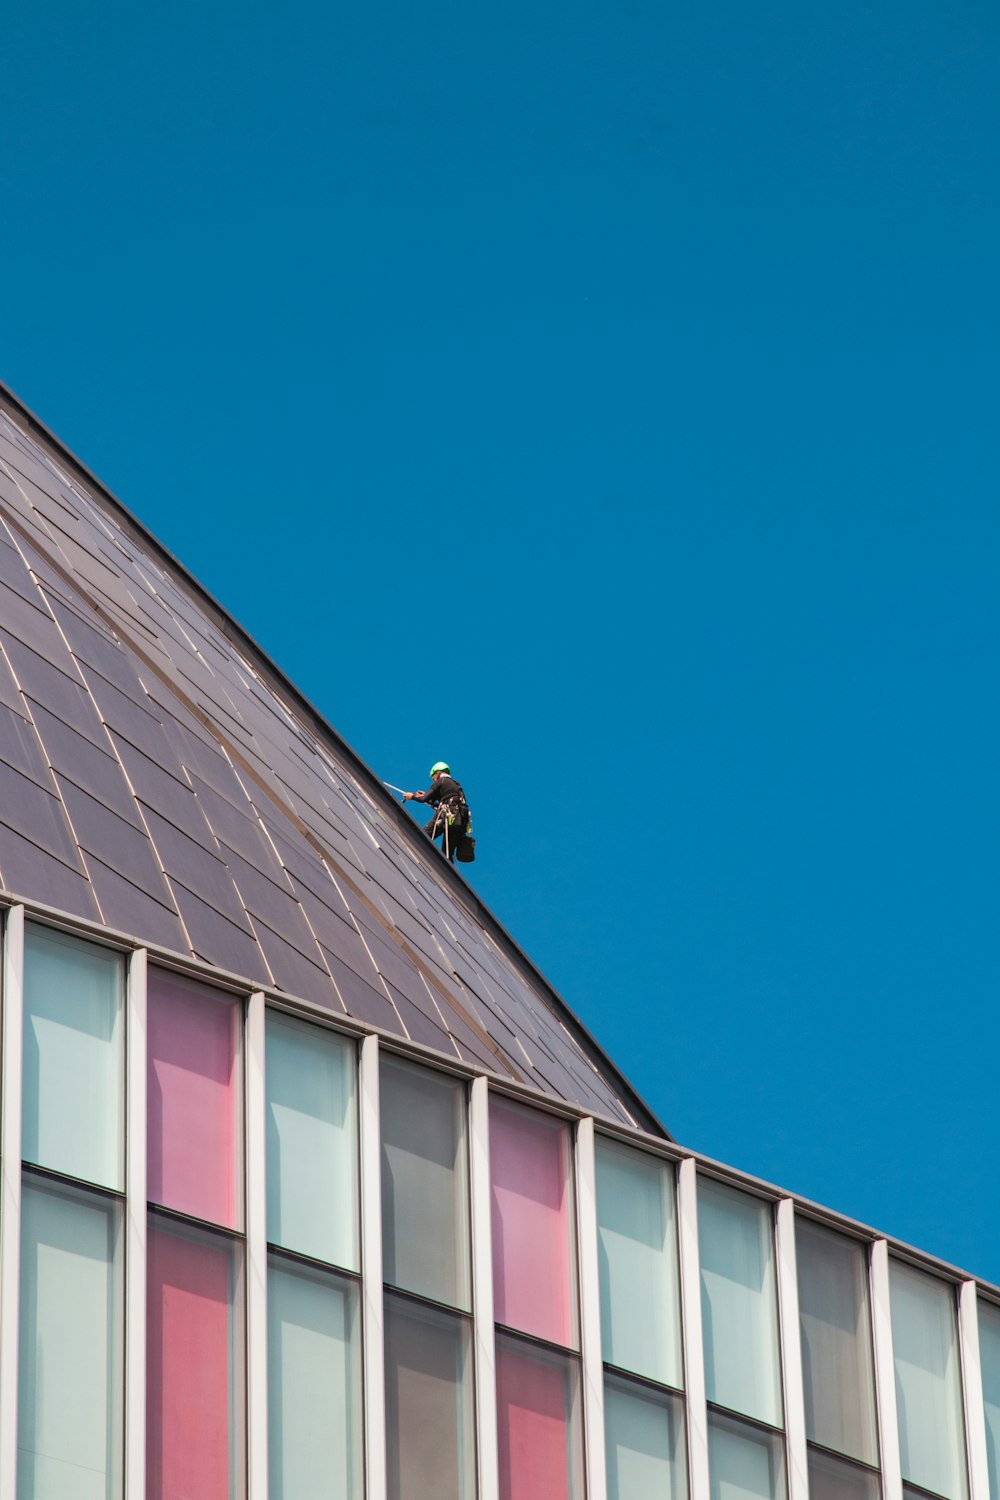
point(603, 398)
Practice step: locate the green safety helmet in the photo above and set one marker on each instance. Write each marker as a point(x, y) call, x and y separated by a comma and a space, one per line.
point(439, 765)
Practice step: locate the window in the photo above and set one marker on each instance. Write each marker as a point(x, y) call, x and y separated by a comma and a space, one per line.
point(534, 1285)
point(989, 1355)
point(314, 1383)
point(538, 1422)
point(430, 1439)
point(837, 1360)
point(69, 1440)
point(637, 1253)
point(312, 1141)
point(644, 1442)
point(73, 1064)
point(195, 1357)
point(928, 1383)
point(425, 1209)
point(194, 1099)
point(739, 1302)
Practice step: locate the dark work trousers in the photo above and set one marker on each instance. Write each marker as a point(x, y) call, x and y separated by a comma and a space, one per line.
point(448, 833)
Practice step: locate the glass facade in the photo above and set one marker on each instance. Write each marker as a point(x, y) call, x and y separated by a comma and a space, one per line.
point(303, 1286)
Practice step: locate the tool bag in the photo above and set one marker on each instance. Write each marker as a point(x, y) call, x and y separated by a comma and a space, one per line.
point(465, 852)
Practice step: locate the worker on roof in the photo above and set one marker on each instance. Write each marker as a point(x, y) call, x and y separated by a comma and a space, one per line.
point(451, 821)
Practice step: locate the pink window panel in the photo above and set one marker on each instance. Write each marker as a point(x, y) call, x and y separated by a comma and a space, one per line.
point(537, 1429)
point(533, 1280)
point(193, 1099)
point(191, 1451)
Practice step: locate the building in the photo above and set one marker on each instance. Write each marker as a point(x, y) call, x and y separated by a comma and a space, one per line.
point(312, 1188)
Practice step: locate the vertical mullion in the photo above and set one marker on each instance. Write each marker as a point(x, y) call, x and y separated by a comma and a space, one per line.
point(791, 1350)
point(482, 1290)
point(10, 1188)
point(694, 1349)
point(590, 1311)
point(135, 1227)
point(256, 1230)
point(885, 1373)
point(972, 1391)
point(371, 1271)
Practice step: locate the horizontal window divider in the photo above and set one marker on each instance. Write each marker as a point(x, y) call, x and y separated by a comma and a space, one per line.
point(645, 1381)
point(739, 1416)
point(918, 1489)
point(538, 1343)
point(857, 1463)
point(310, 1262)
point(420, 1301)
point(47, 1174)
point(160, 1211)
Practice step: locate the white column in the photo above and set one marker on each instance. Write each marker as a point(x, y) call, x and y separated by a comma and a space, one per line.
point(972, 1391)
point(256, 1230)
point(590, 1312)
point(371, 1270)
point(885, 1373)
point(791, 1348)
point(482, 1289)
point(135, 1229)
point(694, 1350)
point(10, 1189)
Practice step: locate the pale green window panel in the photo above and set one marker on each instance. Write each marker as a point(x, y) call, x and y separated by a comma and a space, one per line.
point(928, 1381)
point(744, 1463)
point(73, 1080)
point(989, 1354)
point(70, 1366)
point(739, 1302)
point(637, 1253)
point(425, 1198)
point(314, 1385)
point(312, 1142)
point(644, 1443)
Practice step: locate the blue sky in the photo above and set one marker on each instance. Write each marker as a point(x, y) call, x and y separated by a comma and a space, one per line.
point(601, 397)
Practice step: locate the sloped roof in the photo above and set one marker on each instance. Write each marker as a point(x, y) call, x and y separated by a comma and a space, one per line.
point(159, 775)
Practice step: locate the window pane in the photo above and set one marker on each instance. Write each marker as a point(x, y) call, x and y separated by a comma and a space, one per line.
point(314, 1392)
point(73, 1080)
point(644, 1443)
point(928, 1383)
point(743, 1462)
point(194, 1151)
point(989, 1354)
point(538, 1423)
point(637, 1249)
point(425, 1241)
point(533, 1282)
point(70, 1382)
point(194, 1364)
point(835, 1479)
point(430, 1442)
point(312, 1142)
point(837, 1368)
point(738, 1302)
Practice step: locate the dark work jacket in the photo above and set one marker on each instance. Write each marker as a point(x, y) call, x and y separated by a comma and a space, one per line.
point(445, 789)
